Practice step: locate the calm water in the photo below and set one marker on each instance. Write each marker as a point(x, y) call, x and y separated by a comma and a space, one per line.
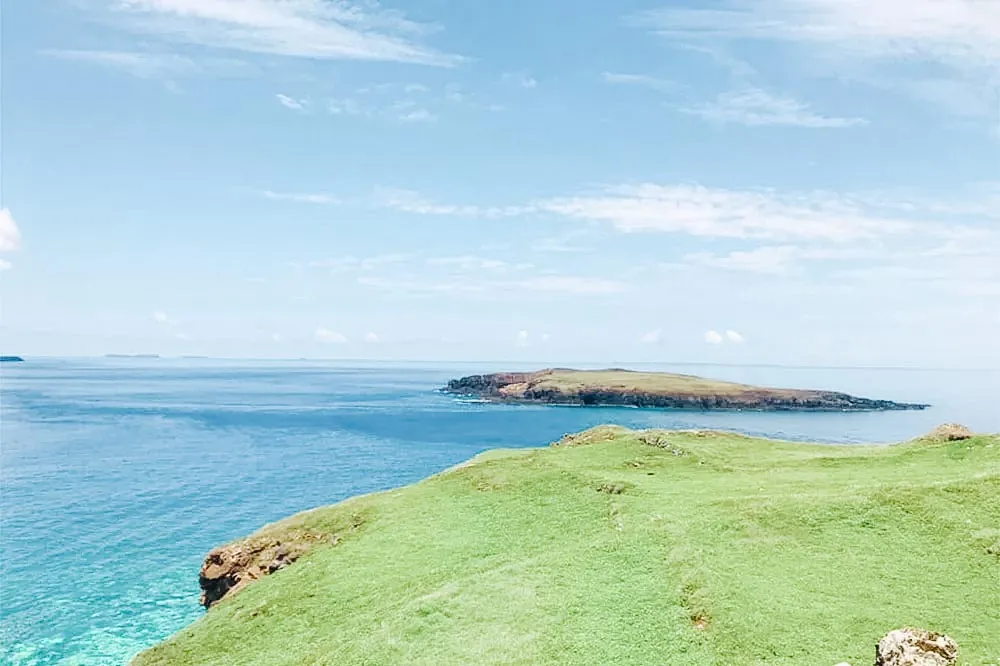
point(118, 476)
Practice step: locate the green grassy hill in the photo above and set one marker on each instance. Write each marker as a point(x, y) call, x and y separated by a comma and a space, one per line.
point(620, 547)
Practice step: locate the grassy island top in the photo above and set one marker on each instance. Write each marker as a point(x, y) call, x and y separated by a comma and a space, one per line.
point(653, 389)
point(637, 548)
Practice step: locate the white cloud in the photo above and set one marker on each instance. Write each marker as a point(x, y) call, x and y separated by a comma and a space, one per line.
point(714, 338)
point(470, 262)
point(958, 38)
point(520, 79)
point(755, 107)
point(372, 338)
point(735, 337)
point(276, 337)
point(297, 28)
point(327, 336)
point(545, 337)
point(409, 201)
point(768, 260)
point(572, 285)
point(299, 197)
point(292, 103)
point(411, 284)
point(5, 265)
point(522, 338)
point(417, 116)
point(961, 32)
point(643, 80)
point(347, 107)
point(10, 234)
point(700, 211)
point(651, 337)
point(145, 65)
point(161, 318)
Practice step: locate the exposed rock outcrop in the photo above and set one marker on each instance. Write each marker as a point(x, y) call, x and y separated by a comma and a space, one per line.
point(228, 569)
point(916, 647)
point(659, 390)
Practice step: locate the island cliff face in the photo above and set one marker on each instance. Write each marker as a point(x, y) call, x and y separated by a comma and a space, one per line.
point(653, 389)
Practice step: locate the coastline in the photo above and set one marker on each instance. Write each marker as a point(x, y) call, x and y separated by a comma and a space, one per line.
point(591, 469)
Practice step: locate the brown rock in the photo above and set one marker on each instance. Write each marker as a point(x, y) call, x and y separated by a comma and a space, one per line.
point(228, 569)
point(916, 647)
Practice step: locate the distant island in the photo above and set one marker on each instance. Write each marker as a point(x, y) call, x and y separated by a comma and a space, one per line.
point(618, 387)
point(11, 359)
point(131, 356)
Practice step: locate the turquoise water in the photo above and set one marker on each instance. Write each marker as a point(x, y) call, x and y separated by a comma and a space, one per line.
point(119, 475)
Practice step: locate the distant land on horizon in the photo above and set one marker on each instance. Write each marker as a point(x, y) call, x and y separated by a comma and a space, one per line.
point(131, 356)
point(11, 359)
point(619, 387)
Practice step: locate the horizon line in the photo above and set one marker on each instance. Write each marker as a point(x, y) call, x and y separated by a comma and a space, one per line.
point(542, 365)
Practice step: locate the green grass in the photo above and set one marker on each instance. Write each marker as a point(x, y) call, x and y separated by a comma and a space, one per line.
point(707, 549)
point(573, 382)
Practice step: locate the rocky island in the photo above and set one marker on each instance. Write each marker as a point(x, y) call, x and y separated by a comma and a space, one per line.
point(617, 546)
point(653, 389)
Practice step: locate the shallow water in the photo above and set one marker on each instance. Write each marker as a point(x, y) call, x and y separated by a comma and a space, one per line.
point(119, 475)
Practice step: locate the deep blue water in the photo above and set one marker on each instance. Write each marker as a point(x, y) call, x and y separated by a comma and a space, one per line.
point(119, 475)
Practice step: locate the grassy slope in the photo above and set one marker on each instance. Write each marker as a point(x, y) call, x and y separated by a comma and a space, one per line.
point(791, 554)
point(572, 381)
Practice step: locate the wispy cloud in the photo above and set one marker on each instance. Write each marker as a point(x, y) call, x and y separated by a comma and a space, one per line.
point(960, 32)
point(470, 262)
point(409, 201)
point(755, 107)
point(351, 263)
point(714, 338)
point(5, 265)
point(418, 115)
point(700, 211)
point(297, 197)
point(297, 28)
point(735, 337)
point(642, 80)
point(292, 103)
point(327, 336)
point(10, 234)
point(572, 285)
point(959, 38)
point(147, 65)
point(162, 318)
point(520, 80)
point(768, 260)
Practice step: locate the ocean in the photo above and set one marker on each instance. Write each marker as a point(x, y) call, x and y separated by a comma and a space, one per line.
point(118, 475)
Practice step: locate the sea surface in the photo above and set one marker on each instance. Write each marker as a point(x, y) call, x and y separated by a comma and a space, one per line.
point(119, 475)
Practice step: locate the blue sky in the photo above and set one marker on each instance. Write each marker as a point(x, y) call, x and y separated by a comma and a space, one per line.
point(778, 181)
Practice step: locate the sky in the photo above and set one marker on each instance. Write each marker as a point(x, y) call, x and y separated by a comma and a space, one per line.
point(803, 182)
